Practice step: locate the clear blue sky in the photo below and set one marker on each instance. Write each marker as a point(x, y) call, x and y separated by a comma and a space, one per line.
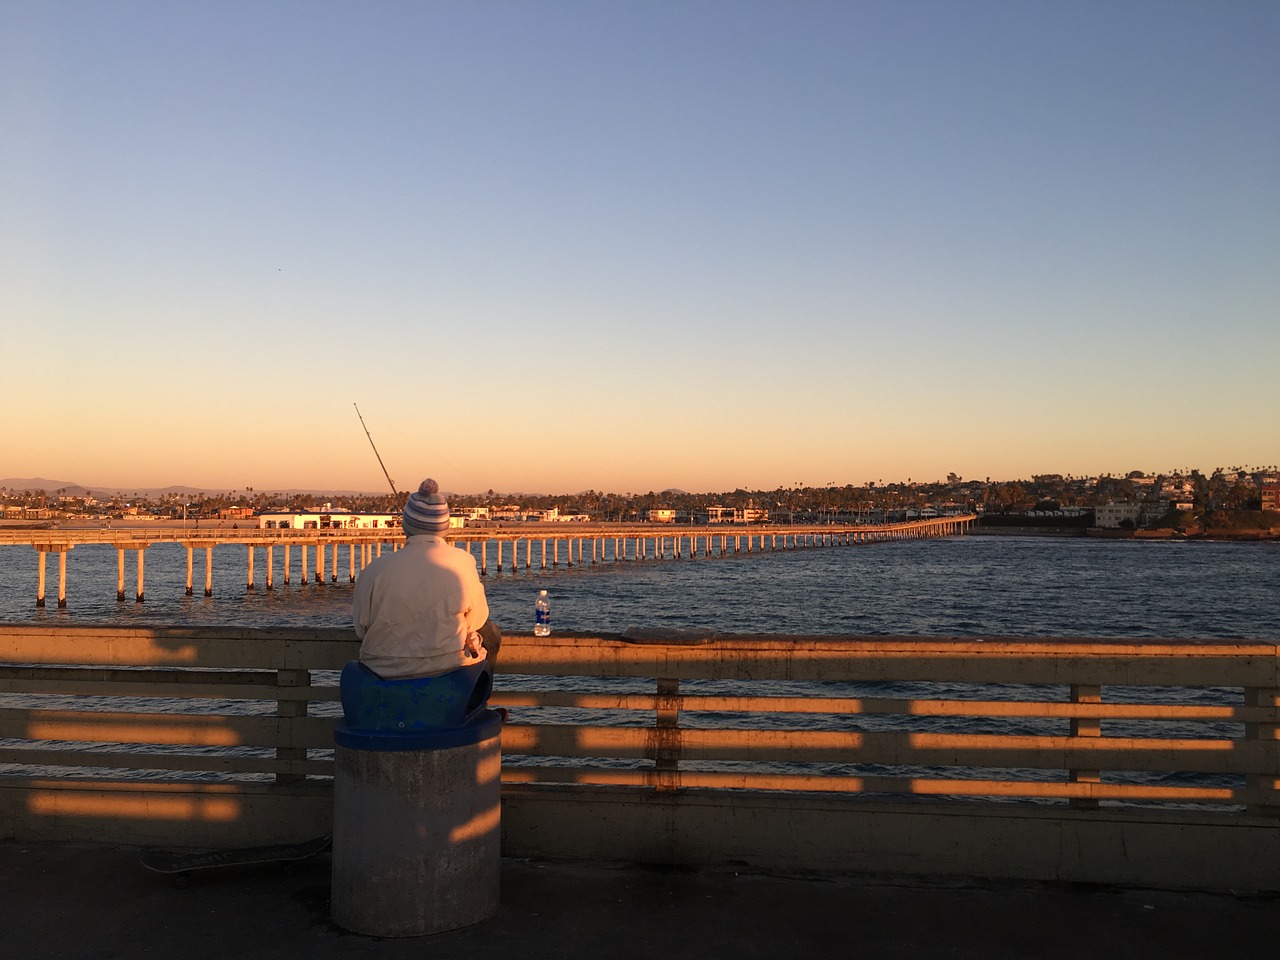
point(548, 246)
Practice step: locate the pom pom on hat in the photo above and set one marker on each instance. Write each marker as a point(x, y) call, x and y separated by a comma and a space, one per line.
point(426, 511)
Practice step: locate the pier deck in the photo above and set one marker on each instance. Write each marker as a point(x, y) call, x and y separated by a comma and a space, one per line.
point(71, 902)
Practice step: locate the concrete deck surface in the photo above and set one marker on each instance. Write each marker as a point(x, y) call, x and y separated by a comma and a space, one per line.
point(73, 901)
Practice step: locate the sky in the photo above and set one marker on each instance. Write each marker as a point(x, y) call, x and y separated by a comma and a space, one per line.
point(630, 246)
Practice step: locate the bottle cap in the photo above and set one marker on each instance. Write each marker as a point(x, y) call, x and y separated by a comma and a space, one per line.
point(542, 593)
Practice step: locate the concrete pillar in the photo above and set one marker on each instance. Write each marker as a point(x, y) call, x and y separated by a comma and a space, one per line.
point(120, 575)
point(62, 578)
point(39, 577)
point(351, 561)
point(249, 584)
point(142, 589)
point(286, 564)
point(319, 561)
point(190, 551)
point(416, 837)
point(302, 559)
point(208, 571)
point(270, 567)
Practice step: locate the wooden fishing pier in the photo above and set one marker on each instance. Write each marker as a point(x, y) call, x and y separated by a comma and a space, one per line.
point(319, 550)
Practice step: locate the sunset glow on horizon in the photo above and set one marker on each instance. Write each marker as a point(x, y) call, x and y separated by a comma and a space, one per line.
point(625, 247)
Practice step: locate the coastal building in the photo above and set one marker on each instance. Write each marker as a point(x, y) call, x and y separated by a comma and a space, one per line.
point(333, 519)
point(719, 514)
point(20, 512)
point(1113, 516)
point(660, 515)
point(549, 515)
point(1270, 496)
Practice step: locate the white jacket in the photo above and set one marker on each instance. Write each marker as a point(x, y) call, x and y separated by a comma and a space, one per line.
point(417, 610)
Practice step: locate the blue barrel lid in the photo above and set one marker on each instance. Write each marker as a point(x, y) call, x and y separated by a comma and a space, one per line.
point(484, 725)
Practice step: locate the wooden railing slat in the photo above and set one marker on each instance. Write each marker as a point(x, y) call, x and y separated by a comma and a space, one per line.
point(214, 763)
point(217, 730)
point(876, 706)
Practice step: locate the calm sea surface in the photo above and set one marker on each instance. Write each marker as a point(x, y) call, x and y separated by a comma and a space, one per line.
point(991, 586)
point(974, 585)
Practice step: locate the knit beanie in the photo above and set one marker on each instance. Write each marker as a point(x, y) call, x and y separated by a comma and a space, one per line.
point(426, 511)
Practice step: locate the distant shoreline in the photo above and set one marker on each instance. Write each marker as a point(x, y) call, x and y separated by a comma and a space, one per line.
point(1094, 533)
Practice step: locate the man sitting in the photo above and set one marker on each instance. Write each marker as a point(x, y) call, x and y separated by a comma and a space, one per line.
point(421, 611)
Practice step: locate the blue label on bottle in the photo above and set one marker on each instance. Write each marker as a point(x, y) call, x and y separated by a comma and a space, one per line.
point(542, 616)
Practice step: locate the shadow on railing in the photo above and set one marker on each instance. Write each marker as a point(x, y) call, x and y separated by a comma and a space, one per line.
point(1074, 722)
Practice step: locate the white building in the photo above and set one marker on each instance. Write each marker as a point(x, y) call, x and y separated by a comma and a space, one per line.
point(327, 519)
point(1112, 516)
point(736, 515)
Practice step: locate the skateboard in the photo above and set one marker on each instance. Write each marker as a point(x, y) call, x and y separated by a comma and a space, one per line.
point(184, 864)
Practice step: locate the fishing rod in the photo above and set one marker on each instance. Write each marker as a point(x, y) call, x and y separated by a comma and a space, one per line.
point(394, 491)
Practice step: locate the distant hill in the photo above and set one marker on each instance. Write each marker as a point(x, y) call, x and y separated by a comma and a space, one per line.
point(19, 484)
point(40, 483)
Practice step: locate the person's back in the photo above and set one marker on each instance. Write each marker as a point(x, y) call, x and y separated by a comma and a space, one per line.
point(420, 612)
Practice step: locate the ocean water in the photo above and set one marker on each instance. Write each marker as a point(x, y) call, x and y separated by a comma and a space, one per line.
point(961, 586)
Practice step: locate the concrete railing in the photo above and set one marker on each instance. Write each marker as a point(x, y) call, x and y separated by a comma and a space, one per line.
point(1114, 761)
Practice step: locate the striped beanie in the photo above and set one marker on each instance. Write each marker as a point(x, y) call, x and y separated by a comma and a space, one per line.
point(426, 511)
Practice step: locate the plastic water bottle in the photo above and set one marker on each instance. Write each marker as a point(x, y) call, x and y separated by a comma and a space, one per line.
point(542, 615)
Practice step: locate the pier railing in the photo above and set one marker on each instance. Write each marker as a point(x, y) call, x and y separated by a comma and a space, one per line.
point(1189, 723)
point(212, 736)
